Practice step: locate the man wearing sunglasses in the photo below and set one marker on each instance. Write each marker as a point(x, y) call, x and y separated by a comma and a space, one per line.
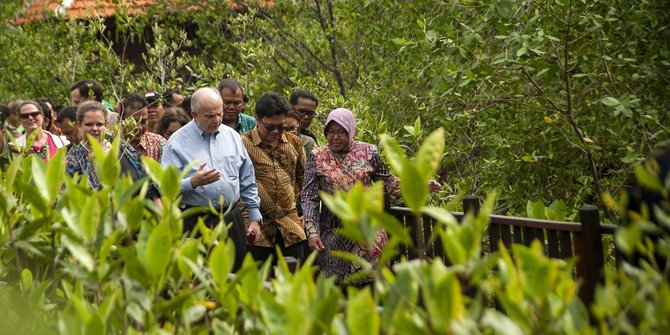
point(278, 157)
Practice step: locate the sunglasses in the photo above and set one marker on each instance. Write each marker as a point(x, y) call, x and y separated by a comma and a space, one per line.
point(33, 114)
point(272, 127)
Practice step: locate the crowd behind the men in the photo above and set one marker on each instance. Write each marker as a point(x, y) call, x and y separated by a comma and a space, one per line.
point(264, 172)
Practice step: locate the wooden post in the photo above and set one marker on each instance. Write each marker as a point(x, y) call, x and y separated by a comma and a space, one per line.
point(589, 252)
point(415, 224)
point(470, 204)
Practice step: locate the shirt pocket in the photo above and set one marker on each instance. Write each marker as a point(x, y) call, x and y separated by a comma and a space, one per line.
point(231, 167)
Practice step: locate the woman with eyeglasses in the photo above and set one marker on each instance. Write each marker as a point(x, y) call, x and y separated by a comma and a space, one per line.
point(36, 140)
point(338, 166)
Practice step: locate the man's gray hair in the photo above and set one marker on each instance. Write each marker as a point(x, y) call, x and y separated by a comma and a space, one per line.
point(195, 99)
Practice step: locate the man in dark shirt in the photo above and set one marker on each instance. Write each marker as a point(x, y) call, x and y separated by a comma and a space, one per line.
point(304, 103)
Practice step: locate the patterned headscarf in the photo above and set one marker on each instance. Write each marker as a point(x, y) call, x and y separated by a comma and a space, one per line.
point(344, 118)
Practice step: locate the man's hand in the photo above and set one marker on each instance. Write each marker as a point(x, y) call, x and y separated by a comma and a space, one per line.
point(253, 232)
point(202, 177)
point(316, 244)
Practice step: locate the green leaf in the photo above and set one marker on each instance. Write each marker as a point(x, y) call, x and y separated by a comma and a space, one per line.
point(393, 227)
point(414, 187)
point(362, 316)
point(38, 172)
point(55, 175)
point(394, 154)
point(158, 249)
point(90, 218)
point(535, 209)
point(452, 245)
point(444, 298)
point(556, 211)
point(79, 252)
point(26, 280)
point(521, 51)
point(221, 262)
point(189, 250)
point(440, 214)
point(500, 323)
point(169, 183)
point(648, 179)
point(399, 41)
point(627, 238)
point(430, 153)
point(154, 169)
point(337, 204)
point(610, 101)
point(107, 165)
point(95, 325)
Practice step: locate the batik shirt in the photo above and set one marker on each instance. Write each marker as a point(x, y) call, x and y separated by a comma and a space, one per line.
point(151, 145)
point(329, 172)
point(279, 177)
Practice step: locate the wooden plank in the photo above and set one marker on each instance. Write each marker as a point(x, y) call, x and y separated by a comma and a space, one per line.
point(517, 235)
point(428, 223)
point(535, 223)
point(565, 239)
point(538, 234)
point(553, 244)
point(506, 236)
point(494, 237)
point(528, 235)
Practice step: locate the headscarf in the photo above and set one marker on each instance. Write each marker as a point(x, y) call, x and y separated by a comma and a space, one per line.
point(344, 118)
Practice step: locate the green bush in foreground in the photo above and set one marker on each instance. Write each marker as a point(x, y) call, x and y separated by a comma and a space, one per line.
point(75, 261)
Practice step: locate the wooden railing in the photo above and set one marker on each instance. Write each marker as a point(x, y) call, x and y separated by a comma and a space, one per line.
point(583, 239)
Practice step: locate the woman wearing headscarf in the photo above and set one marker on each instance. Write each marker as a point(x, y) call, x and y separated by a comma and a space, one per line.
point(338, 166)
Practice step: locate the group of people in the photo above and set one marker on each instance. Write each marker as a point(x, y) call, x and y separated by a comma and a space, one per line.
point(264, 172)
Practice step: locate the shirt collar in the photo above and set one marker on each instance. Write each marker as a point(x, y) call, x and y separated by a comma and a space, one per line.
point(143, 141)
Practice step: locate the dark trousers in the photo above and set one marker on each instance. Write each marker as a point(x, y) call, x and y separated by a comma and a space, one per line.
point(236, 231)
point(262, 253)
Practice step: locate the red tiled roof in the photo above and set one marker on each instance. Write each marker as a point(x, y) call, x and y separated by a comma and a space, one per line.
point(36, 10)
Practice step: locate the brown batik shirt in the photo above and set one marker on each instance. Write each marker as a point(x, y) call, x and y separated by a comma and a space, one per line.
point(279, 177)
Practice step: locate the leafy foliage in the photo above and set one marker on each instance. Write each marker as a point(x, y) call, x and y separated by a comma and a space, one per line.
point(78, 261)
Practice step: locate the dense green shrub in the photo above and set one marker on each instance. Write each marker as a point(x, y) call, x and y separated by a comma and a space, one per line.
point(75, 261)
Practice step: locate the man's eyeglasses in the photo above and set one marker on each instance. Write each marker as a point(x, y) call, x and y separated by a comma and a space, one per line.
point(33, 114)
point(338, 132)
point(307, 112)
point(272, 127)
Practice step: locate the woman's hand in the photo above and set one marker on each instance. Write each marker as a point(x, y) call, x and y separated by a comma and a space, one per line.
point(434, 186)
point(316, 244)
